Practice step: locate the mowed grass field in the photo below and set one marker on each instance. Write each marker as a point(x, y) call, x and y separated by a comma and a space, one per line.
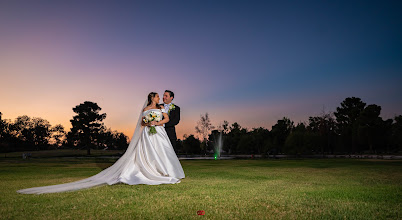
point(224, 189)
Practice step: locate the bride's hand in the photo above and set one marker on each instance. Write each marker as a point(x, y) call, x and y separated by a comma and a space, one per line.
point(153, 123)
point(157, 123)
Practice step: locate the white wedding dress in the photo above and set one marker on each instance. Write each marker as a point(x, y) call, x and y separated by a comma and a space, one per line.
point(149, 159)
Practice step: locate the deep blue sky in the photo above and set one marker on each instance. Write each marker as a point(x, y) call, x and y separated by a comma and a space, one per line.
point(228, 58)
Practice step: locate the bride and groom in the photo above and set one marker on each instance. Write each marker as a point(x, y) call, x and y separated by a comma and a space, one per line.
point(149, 159)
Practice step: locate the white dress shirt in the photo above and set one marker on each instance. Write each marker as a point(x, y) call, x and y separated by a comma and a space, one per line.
point(167, 106)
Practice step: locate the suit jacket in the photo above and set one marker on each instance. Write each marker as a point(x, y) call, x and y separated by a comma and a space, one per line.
point(174, 118)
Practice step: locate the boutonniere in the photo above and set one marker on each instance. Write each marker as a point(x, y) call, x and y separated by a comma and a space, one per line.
point(171, 107)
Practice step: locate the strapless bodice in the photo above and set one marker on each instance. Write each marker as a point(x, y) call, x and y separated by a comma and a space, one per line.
point(157, 111)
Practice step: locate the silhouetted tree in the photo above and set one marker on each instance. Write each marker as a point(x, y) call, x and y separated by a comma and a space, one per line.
point(295, 141)
point(72, 140)
point(396, 134)
point(86, 124)
point(355, 128)
point(24, 126)
point(369, 125)
point(191, 145)
point(323, 131)
point(179, 146)
point(111, 140)
point(261, 138)
point(29, 133)
point(120, 140)
point(346, 118)
point(37, 134)
point(8, 137)
point(245, 144)
point(224, 127)
point(233, 138)
point(5, 135)
point(2, 128)
point(203, 128)
point(42, 133)
point(280, 132)
point(385, 135)
point(1, 123)
point(58, 135)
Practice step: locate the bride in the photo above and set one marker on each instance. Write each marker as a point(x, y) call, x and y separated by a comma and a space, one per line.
point(149, 158)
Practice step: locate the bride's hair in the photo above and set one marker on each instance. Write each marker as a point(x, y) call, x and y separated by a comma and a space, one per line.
point(151, 95)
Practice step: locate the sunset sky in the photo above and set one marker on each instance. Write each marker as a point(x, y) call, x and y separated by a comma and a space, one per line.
point(251, 62)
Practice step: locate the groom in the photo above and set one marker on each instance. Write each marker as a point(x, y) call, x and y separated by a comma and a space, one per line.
point(174, 117)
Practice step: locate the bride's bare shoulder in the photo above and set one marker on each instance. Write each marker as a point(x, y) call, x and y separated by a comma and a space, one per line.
point(146, 108)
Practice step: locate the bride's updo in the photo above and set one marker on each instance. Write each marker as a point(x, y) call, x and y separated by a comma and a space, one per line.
point(151, 95)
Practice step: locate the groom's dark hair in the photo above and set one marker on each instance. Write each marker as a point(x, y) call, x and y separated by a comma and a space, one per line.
point(170, 93)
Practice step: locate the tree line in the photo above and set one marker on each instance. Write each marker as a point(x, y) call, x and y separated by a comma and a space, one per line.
point(353, 128)
point(87, 132)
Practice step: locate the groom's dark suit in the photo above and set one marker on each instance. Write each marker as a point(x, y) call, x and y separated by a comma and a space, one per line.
point(174, 118)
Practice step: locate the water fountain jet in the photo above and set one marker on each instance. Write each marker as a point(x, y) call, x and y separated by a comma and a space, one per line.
point(218, 146)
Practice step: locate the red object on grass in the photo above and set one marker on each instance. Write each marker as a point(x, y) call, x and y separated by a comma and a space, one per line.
point(201, 212)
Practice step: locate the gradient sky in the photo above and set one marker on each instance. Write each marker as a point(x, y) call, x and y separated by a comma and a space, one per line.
point(252, 62)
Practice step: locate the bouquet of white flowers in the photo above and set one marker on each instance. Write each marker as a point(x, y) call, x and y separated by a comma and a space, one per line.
point(152, 116)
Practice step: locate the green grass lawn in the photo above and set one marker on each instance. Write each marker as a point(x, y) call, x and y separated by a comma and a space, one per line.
point(64, 153)
point(224, 189)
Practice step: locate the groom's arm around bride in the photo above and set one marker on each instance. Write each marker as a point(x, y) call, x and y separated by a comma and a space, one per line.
point(174, 118)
